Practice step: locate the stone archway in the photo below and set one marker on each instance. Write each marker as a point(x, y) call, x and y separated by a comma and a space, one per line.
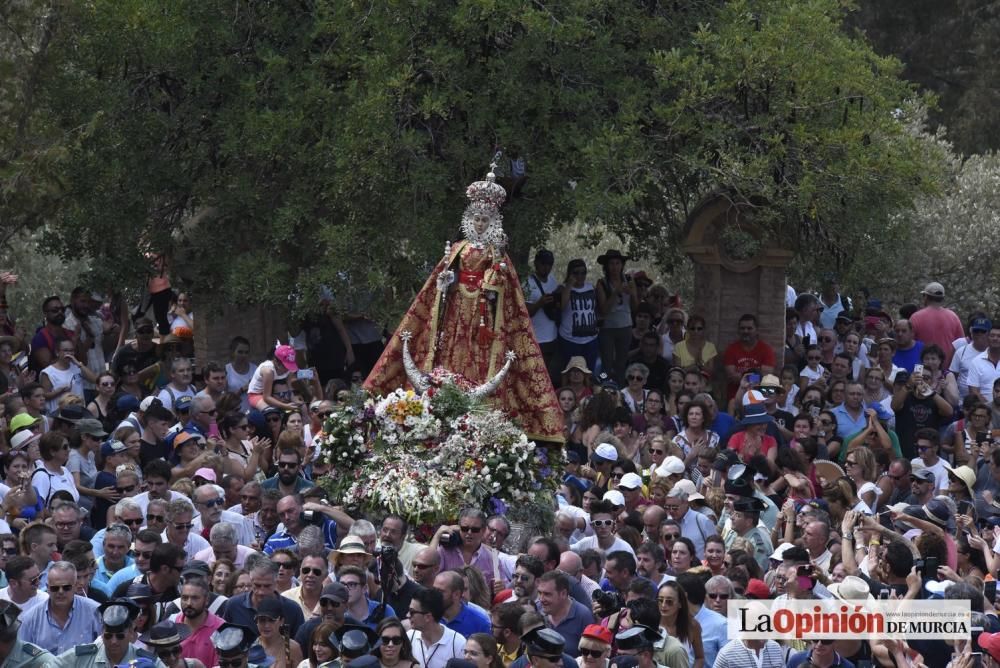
point(736, 271)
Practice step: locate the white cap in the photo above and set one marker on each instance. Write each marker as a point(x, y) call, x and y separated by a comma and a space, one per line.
point(146, 403)
point(22, 439)
point(614, 497)
point(752, 397)
point(606, 451)
point(779, 553)
point(870, 487)
point(672, 465)
point(686, 486)
point(630, 481)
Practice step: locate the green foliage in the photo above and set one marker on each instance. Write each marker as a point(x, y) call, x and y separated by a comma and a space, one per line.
point(275, 147)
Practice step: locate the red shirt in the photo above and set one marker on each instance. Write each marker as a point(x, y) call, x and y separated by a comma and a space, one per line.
point(744, 360)
point(933, 324)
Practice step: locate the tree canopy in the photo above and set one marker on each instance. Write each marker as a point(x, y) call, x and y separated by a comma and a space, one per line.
point(272, 147)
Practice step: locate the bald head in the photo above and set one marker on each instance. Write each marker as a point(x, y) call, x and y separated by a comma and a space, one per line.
point(425, 566)
point(571, 564)
point(651, 519)
point(903, 333)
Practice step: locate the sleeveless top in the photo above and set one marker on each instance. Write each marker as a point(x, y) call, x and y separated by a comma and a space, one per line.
point(620, 313)
point(579, 316)
point(257, 382)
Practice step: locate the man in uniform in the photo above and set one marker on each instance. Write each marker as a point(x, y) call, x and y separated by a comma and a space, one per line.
point(232, 644)
point(15, 653)
point(637, 641)
point(745, 518)
point(118, 618)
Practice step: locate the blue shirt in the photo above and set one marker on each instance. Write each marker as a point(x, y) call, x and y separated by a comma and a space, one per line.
point(97, 542)
point(723, 425)
point(714, 634)
point(697, 527)
point(571, 628)
point(240, 610)
point(469, 621)
point(127, 574)
point(102, 575)
point(372, 624)
point(83, 625)
point(906, 359)
point(846, 425)
point(285, 539)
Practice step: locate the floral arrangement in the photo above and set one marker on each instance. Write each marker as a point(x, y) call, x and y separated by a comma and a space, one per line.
point(427, 456)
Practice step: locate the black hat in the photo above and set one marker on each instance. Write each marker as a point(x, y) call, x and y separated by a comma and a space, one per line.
point(739, 487)
point(354, 638)
point(196, 567)
point(72, 414)
point(9, 617)
point(165, 634)
point(117, 614)
point(725, 459)
point(624, 661)
point(637, 637)
point(140, 593)
point(749, 504)
point(232, 640)
point(612, 254)
point(271, 608)
point(548, 642)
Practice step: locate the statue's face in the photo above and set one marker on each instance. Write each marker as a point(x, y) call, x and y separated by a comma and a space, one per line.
point(481, 222)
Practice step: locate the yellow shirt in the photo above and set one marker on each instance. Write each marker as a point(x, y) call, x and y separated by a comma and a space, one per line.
point(686, 359)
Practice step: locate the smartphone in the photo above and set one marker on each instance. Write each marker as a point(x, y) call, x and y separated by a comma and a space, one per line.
point(884, 594)
point(753, 379)
point(807, 340)
point(918, 370)
point(930, 568)
point(304, 374)
point(981, 437)
point(990, 590)
point(977, 659)
point(964, 507)
point(814, 411)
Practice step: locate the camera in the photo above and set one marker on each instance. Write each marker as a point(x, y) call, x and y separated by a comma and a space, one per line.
point(387, 552)
point(452, 540)
point(312, 517)
point(608, 602)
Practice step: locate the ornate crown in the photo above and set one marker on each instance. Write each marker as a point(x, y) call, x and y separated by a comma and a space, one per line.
point(487, 192)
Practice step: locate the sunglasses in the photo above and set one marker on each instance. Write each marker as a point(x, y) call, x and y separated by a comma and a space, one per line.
point(182, 527)
point(468, 529)
point(327, 603)
point(824, 641)
point(392, 640)
point(592, 653)
point(55, 589)
point(656, 451)
point(287, 465)
point(283, 564)
point(212, 503)
point(168, 651)
point(156, 518)
point(10, 551)
point(718, 597)
point(274, 418)
point(602, 523)
point(671, 536)
point(315, 571)
point(145, 554)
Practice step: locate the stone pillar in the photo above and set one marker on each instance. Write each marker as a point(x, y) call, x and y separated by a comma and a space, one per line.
point(736, 271)
point(215, 328)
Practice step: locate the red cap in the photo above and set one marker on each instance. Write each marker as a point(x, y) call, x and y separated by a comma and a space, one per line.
point(503, 596)
point(598, 632)
point(990, 642)
point(758, 589)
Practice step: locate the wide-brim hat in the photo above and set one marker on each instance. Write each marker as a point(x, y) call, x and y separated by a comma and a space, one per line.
point(351, 545)
point(755, 414)
point(165, 634)
point(612, 254)
point(966, 475)
point(578, 362)
point(827, 470)
point(852, 588)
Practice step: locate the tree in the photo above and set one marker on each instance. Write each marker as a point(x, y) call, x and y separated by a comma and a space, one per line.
point(275, 147)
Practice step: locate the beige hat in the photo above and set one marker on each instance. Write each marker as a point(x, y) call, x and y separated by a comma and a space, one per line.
point(827, 470)
point(852, 588)
point(351, 545)
point(686, 486)
point(966, 475)
point(577, 362)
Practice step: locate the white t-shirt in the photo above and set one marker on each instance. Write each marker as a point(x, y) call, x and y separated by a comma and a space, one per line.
point(545, 329)
point(236, 381)
point(72, 377)
point(450, 646)
point(939, 471)
point(810, 375)
point(40, 597)
point(143, 499)
point(192, 546)
point(982, 374)
point(46, 483)
point(961, 362)
point(590, 543)
point(95, 355)
point(257, 382)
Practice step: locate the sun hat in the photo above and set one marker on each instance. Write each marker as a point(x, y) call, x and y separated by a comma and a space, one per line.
point(852, 588)
point(611, 254)
point(577, 362)
point(23, 439)
point(965, 474)
point(351, 545)
point(755, 414)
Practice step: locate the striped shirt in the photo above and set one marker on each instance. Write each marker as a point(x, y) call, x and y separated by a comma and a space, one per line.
point(737, 655)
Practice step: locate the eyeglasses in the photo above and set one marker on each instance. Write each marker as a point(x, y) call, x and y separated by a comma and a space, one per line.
point(283, 564)
point(592, 653)
point(55, 589)
point(850, 463)
point(66, 525)
point(468, 529)
point(145, 554)
point(636, 377)
point(351, 585)
point(524, 577)
point(136, 522)
point(182, 527)
point(392, 640)
point(156, 518)
point(671, 536)
point(617, 474)
point(718, 597)
point(412, 612)
point(602, 523)
point(287, 465)
point(212, 503)
point(315, 571)
point(117, 635)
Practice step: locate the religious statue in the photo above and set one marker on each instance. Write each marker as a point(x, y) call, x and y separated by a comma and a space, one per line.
point(470, 318)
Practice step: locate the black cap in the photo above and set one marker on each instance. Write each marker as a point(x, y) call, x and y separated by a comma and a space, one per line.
point(231, 640)
point(354, 638)
point(624, 661)
point(548, 642)
point(637, 638)
point(118, 614)
point(749, 504)
point(271, 608)
point(739, 487)
point(9, 617)
point(139, 593)
point(165, 634)
point(197, 567)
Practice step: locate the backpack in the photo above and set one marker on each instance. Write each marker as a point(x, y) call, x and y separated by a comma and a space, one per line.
point(552, 311)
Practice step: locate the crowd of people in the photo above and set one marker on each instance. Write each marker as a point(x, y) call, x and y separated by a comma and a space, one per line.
point(154, 514)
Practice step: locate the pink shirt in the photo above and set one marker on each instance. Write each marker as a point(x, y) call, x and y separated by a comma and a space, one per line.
point(933, 324)
point(452, 559)
point(199, 645)
point(208, 556)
